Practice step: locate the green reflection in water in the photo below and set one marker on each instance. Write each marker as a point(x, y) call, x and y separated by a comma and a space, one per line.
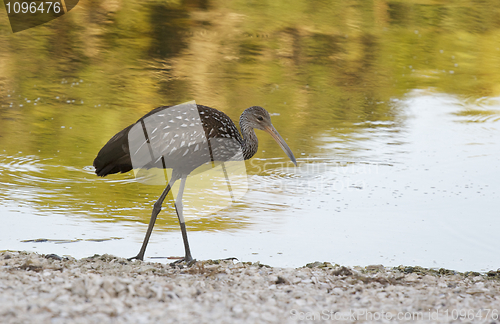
point(321, 67)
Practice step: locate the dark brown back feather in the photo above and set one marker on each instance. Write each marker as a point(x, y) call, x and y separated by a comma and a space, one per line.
point(114, 157)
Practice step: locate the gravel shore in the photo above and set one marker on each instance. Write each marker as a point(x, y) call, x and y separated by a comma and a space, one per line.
point(105, 289)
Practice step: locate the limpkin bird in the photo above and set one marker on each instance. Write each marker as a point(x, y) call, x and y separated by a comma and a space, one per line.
point(173, 137)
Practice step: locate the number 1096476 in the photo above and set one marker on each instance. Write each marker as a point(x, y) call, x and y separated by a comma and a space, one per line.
point(33, 7)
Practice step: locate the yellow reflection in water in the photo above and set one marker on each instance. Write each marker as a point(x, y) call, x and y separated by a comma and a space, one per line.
point(320, 67)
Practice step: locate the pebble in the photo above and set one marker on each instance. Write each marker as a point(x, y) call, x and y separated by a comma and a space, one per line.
point(106, 289)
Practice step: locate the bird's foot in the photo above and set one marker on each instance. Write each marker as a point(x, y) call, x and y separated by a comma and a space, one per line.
point(137, 257)
point(189, 261)
point(229, 259)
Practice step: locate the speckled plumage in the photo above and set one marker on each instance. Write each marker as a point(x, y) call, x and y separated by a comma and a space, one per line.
point(115, 156)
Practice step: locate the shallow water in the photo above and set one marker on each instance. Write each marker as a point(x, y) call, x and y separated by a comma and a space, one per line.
point(392, 110)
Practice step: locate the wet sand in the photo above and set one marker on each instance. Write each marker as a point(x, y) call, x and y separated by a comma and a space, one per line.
point(105, 289)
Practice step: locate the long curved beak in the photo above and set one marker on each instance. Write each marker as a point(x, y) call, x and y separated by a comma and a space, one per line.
point(281, 142)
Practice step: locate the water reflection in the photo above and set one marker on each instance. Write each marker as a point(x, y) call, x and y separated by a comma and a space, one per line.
point(343, 81)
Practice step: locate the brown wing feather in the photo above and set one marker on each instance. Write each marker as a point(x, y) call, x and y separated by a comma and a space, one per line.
point(114, 157)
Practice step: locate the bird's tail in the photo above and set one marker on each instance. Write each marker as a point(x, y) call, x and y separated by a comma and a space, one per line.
point(114, 157)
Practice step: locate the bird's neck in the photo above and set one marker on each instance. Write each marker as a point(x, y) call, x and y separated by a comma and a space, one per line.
point(250, 142)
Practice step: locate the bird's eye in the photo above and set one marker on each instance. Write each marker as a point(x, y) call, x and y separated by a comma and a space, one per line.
point(260, 118)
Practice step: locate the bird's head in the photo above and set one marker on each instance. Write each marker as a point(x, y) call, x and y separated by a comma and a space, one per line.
point(258, 118)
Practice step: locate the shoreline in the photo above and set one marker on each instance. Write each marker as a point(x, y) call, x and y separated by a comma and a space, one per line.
point(38, 288)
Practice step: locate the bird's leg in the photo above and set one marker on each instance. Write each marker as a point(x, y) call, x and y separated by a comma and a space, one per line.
point(154, 214)
point(179, 209)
